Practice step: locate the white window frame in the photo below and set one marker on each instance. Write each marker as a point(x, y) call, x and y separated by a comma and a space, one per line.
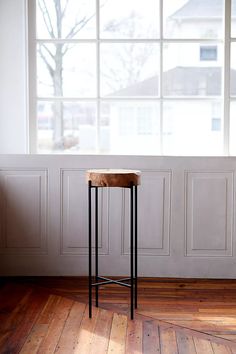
point(226, 98)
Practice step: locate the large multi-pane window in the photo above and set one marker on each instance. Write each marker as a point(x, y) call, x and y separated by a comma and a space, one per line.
point(148, 77)
point(233, 81)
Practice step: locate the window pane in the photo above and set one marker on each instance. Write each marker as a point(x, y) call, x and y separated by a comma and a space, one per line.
point(233, 128)
point(66, 127)
point(189, 128)
point(187, 74)
point(66, 19)
point(208, 53)
point(233, 19)
point(129, 19)
point(193, 19)
point(233, 70)
point(129, 69)
point(131, 127)
point(67, 70)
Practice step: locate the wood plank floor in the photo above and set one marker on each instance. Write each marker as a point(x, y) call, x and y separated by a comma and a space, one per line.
point(50, 315)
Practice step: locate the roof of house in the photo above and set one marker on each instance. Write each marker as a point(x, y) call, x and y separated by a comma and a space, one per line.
point(201, 9)
point(192, 81)
point(148, 87)
point(185, 81)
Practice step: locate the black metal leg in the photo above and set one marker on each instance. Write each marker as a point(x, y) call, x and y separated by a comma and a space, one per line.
point(133, 250)
point(96, 241)
point(131, 255)
point(90, 247)
point(136, 243)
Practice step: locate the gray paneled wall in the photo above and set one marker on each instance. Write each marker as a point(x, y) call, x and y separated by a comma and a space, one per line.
point(185, 216)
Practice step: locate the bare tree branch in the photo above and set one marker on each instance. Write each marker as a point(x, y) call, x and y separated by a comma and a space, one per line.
point(48, 51)
point(66, 47)
point(111, 78)
point(82, 23)
point(59, 17)
point(49, 67)
point(78, 26)
point(46, 17)
point(65, 8)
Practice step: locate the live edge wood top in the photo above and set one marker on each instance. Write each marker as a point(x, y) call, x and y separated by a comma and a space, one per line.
point(113, 177)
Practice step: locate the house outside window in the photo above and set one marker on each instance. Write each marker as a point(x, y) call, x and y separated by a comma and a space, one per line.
point(216, 120)
point(216, 124)
point(208, 53)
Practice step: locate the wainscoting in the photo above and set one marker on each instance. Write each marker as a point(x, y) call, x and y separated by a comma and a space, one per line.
point(186, 216)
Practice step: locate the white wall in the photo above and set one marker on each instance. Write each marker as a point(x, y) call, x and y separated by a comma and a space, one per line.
point(13, 107)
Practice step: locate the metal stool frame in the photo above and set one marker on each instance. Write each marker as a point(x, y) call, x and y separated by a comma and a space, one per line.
point(99, 280)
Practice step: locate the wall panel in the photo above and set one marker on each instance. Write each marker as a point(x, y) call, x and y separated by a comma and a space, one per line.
point(153, 214)
point(74, 214)
point(209, 217)
point(23, 211)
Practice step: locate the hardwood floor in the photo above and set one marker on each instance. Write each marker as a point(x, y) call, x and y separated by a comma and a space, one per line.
point(50, 315)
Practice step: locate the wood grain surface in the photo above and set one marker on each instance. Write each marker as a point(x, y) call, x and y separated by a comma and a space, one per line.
point(113, 178)
point(50, 315)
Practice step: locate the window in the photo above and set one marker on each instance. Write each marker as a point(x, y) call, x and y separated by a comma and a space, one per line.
point(133, 76)
point(216, 124)
point(208, 53)
point(135, 120)
point(216, 120)
point(144, 121)
point(126, 121)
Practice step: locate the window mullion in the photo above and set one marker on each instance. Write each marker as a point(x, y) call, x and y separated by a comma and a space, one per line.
point(161, 76)
point(32, 75)
point(98, 137)
point(226, 75)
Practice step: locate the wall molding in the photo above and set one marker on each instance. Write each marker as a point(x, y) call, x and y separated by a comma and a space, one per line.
point(151, 177)
point(218, 217)
point(69, 246)
point(18, 188)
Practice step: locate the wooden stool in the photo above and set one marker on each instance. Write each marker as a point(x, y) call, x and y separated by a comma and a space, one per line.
point(114, 178)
